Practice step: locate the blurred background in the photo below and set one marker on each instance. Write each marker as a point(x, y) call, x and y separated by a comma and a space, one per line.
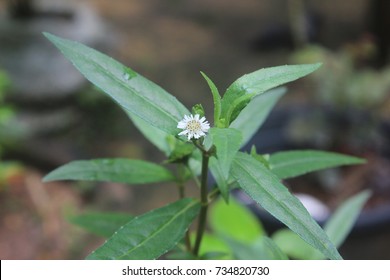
point(50, 115)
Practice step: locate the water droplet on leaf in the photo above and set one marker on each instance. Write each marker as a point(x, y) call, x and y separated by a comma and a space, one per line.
point(129, 74)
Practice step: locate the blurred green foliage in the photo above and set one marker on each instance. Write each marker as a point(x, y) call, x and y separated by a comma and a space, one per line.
point(343, 81)
point(5, 111)
point(9, 171)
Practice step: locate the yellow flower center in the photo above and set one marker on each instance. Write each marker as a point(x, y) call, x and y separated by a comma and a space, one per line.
point(193, 126)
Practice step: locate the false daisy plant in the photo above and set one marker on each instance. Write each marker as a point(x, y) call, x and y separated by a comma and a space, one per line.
point(196, 149)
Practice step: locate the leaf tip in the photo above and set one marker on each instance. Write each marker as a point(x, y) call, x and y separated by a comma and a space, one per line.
point(356, 160)
point(205, 76)
point(50, 177)
point(361, 160)
point(46, 178)
point(317, 65)
point(49, 36)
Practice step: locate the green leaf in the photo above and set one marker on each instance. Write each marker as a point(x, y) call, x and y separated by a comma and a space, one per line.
point(181, 151)
point(341, 222)
point(250, 85)
point(151, 235)
point(345, 216)
point(215, 255)
point(224, 185)
point(234, 221)
point(337, 228)
point(195, 162)
point(271, 250)
point(211, 244)
point(156, 136)
point(252, 117)
point(227, 142)
point(102, 224)
point(294, 163)
point(264, 159)
point(198, 109)
point(177, 254)
point(118, 170)
point(216, 99)
point(264, 187)
point(219, 177)
point(263, 248)
point(292, 245)
point(130, 90)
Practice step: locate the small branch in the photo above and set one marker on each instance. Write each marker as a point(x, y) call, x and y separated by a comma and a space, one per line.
point(199, 146)
point(204, 203)
point(180, 183)
point(181, 188)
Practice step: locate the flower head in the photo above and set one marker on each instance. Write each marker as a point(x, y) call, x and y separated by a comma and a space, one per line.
point(193, 127)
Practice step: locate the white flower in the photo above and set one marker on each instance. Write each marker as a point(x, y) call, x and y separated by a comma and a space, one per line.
point(193, 127)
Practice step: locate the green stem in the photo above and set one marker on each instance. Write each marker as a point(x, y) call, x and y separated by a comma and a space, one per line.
point(199, 146)
point(204, 203)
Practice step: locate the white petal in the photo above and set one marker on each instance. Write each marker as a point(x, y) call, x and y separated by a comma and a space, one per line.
point(182, 124)
point(205, 127)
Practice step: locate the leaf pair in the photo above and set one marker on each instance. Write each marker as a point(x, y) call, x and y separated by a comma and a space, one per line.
point(229, 140)
point(151, 232)
point(150, 235)
point(337, 228)
point(239, 94)
point(263, 186)
point(245, 114)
